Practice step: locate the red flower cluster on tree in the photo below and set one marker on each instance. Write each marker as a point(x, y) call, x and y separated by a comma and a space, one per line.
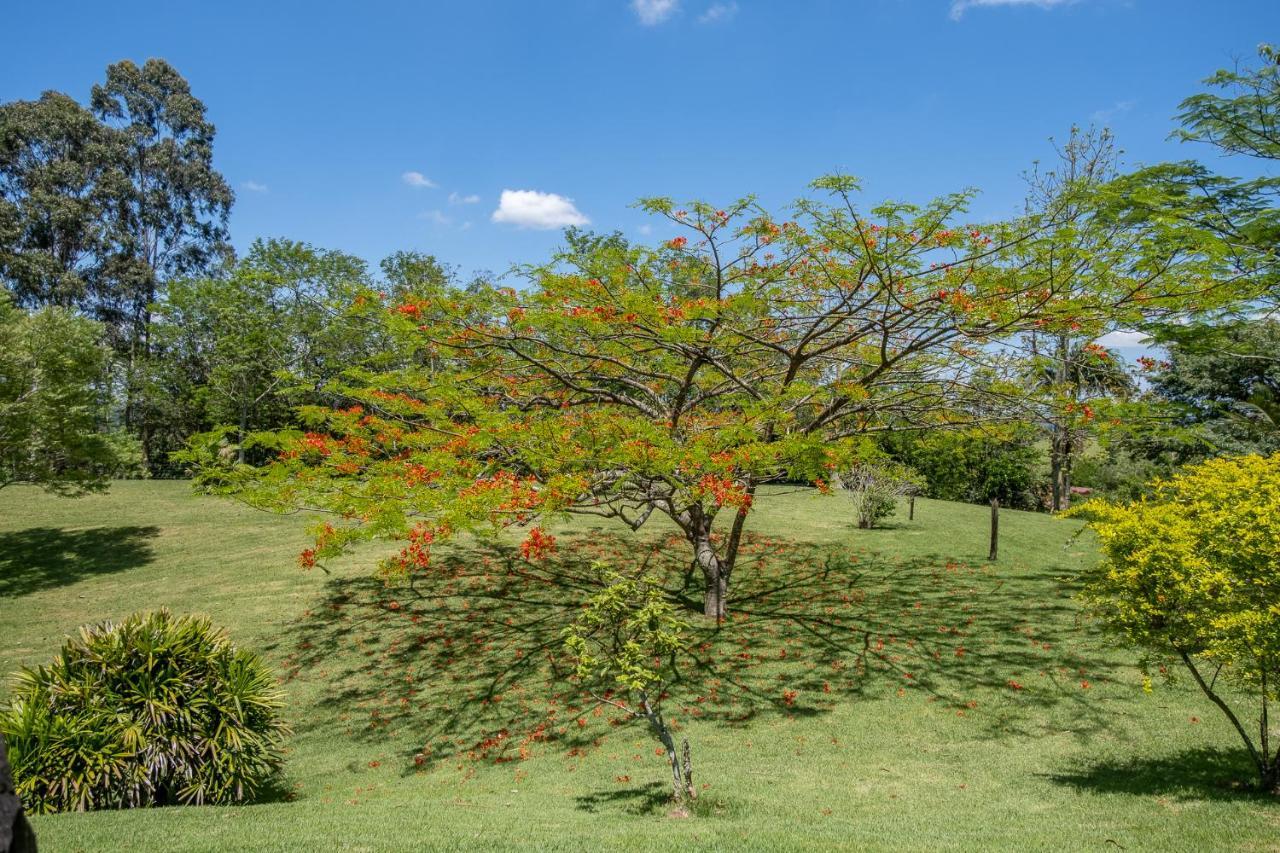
point(537, 545)
point(513, 493)
point(417, 554)
point(725, 492)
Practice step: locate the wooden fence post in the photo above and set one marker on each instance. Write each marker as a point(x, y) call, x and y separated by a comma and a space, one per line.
point(995, 528)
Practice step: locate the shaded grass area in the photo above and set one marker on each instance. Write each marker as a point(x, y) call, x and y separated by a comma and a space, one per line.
point(1195, 773)
point(880, 689)
point(471, 659)
point(40, 558)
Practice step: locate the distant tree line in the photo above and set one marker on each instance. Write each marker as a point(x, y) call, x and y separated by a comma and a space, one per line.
point(114, 232)
point(117, 266)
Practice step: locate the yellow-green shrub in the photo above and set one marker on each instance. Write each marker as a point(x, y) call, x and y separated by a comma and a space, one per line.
point(1192, 573)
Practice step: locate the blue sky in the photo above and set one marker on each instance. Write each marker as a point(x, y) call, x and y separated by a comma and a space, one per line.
point(378, 126)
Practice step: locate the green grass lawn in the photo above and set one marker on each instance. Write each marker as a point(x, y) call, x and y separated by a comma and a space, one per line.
point(883, 689)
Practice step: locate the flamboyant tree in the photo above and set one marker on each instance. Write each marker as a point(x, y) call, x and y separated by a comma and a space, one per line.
point(630, 382)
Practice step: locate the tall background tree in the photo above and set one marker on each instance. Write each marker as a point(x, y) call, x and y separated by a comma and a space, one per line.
point(59, 168)
point(170, 217)
point(101, 208)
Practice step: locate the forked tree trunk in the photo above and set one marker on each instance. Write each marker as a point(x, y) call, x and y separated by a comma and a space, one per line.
point(1264, 758)
point(715, 597)
point(716, 566)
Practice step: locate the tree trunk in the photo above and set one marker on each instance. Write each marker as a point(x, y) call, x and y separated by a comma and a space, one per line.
point(668, 743)
point(715, 598)
point(1060, 441)
point(715, 572)
point(1264, 723)
point(716, 567)
point(1055, 474)
point(1060, 465)
point(689, 791)
point(1267, 765)
point(1067, 454)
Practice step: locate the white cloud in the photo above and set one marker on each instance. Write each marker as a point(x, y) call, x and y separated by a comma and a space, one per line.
point(1112, 112)
point(645, 229)
point(959, 7)
point(654, 12)
point(254, 187)
point(533, 209)
point(455, 198)
point(417, 180)
point(718, 13)
point(1122, 340)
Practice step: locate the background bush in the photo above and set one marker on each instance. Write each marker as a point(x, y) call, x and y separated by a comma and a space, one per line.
point(874, 488)
point(156, 710)
point(975, 466)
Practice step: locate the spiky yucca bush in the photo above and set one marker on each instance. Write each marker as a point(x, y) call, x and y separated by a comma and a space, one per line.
point(156, 710)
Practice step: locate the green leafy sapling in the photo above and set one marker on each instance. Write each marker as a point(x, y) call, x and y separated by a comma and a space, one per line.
point(624, 644)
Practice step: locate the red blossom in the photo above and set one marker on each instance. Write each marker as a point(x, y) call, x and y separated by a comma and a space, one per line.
point(725, 492)
point(537, 545)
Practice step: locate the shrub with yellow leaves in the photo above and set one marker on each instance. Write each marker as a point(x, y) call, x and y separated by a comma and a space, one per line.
point(1192, 573)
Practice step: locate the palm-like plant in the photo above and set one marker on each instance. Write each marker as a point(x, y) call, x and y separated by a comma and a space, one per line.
point(156, 710)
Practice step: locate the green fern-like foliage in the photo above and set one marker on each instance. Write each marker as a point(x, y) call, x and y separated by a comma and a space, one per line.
point(156, 710)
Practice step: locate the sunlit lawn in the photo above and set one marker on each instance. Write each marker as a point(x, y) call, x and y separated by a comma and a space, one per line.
point(880, 689)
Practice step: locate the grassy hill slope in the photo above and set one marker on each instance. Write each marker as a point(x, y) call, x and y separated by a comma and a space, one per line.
point(882, 689)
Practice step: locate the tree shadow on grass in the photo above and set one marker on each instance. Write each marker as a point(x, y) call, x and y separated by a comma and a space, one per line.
point(1204, 773)
point(467, 664)
point(649, 799)
point(41, 558)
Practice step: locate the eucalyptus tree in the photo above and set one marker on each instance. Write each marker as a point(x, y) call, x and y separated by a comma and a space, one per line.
point(169, 216)
point(58, 174)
